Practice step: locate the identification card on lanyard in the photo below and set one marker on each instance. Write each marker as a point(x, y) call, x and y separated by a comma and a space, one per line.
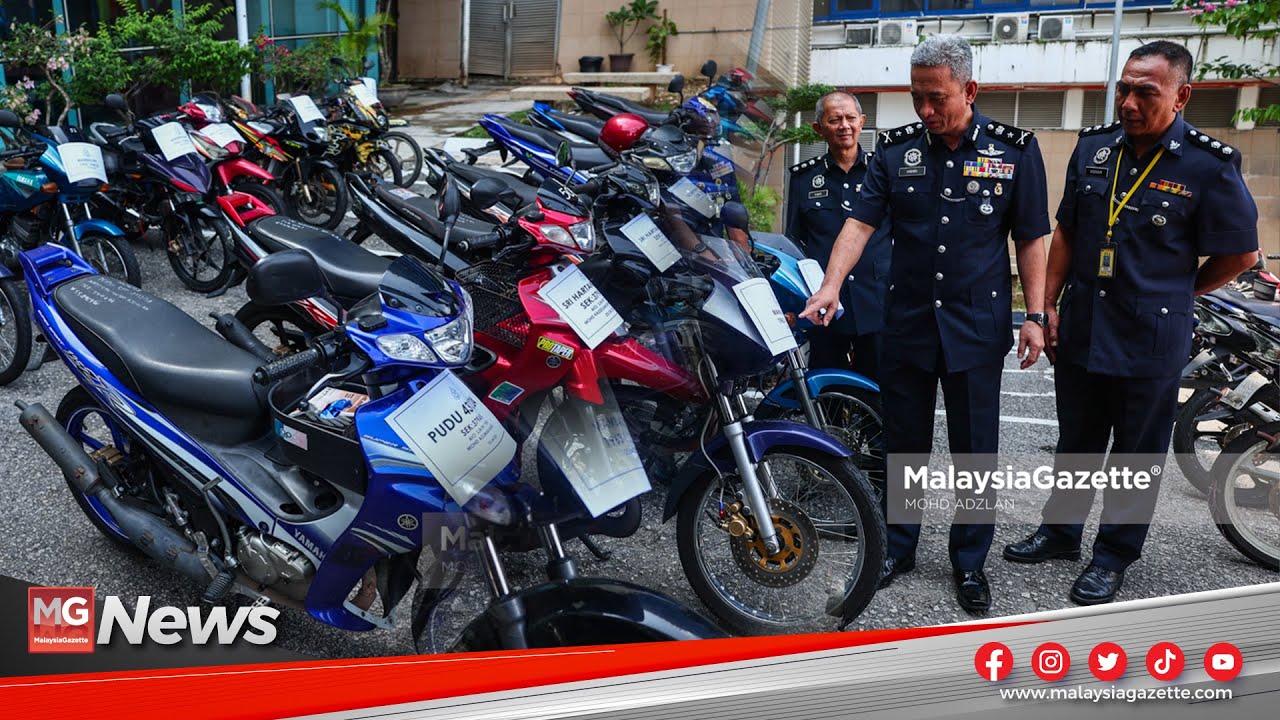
point(1107, 250)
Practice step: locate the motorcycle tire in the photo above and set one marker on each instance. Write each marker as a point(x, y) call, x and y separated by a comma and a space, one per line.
point(283, 330)
point(1188, 432)
point(1230, 508)
point(329, 197)
point(408, 152)
point(111, 255)
point(15, 331)
point(749, 569)
point(383, 163)
point(264, 194)
point(202, 242)
point(86, 421)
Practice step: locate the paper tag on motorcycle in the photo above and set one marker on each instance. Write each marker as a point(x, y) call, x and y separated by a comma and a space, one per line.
point(454, 435)
point(655, 245)
point(82, 161)
point(812, 273)
point(581, 304)
point(364, 94)
point(173, 141)
point(306, 108)
point(221, 134)
point(695, 197)
point(762, 307)
point(600, 463)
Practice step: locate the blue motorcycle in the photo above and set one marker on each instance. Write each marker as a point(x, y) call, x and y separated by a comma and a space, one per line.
point(360, 464)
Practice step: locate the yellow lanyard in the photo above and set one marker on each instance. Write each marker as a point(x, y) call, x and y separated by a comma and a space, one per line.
point(1116, 209)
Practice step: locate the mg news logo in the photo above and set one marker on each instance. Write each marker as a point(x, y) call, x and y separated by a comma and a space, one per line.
point(62, 620)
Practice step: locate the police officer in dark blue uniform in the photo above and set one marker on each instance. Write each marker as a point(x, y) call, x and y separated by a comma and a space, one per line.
point(820, 197)
point(1145, 199)
point(957, 186)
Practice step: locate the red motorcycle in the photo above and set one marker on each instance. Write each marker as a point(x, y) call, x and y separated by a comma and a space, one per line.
point(224, 145)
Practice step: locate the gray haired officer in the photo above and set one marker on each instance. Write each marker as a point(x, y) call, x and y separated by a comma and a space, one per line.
point(957, 185)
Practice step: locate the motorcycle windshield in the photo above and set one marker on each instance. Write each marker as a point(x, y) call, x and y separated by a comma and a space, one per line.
point(410, 285)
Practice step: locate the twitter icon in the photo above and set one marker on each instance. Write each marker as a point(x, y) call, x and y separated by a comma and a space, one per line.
point(1108, 661)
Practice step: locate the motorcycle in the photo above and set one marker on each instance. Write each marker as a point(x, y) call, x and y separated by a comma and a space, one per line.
point(20, 183)
point(248, 478)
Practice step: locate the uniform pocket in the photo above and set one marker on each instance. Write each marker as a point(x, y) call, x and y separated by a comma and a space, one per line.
point(983, 305)
point(1161, 320)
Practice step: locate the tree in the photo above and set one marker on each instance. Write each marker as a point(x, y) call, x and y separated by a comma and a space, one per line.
point(630, 16)
point(1256, 19)
point(360, 37)
point(39, 47)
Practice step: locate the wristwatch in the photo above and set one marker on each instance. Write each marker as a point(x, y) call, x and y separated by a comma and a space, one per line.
point(1038, 318)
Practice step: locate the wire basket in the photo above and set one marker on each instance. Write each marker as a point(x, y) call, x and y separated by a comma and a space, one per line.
point(498, 312)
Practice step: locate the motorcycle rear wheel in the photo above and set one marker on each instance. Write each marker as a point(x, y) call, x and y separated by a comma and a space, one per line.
point(281, 329)
point(1237, 509)
point(15, 331)
point(408, 153)
point(1202, 427)
point(825, 508)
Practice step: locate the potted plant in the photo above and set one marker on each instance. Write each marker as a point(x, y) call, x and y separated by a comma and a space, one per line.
point(624, 22)
point(657, 42)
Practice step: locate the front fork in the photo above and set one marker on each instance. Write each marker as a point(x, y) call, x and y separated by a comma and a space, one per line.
point(733, 412)
point(71, 229)
point(796, 371)
point(510, 610)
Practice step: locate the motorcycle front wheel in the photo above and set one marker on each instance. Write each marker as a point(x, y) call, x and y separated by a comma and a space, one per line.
point(833, 544)
point(111, 255)
point(200, 252)
point(318, 197)
point(408, 153)
point(15, 331)
point(852, 416)
point(1245, 495)
point(279, 328)
point(1204, 426)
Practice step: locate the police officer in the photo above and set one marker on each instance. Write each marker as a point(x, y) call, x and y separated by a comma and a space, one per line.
point(957, 185)
point(1145, 198)
point(820, 197)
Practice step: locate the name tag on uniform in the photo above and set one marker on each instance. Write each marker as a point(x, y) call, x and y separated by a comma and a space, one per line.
point(817, 194)
point(911, 171)
point(1095, 171)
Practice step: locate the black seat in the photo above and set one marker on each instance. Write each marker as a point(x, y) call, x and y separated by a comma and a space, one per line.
point(585, 127)
point(472, 173)
point(422, 212)
point(199, 380)
point(351, 272)
point(584, 154)
point(622, 105)
point(1245, 302)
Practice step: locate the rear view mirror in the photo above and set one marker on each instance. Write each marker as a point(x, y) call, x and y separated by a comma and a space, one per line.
point(735, 215)
point(337, 62)
point(709, 69)
point(284, 277)
point(488, 192)
point(450, 202)
point(9, 119)
point(564, 156)
point(116, 102)
point(676, 85)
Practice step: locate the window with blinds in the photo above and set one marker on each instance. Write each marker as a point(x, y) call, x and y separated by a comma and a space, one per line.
point(1094, 107)
point(1211, 108)
point(1030, 109)
point(1267, 97)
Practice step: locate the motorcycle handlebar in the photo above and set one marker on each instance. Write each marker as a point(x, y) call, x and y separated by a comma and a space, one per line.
point(590, 187)
point(286, 366)
point(482, 242)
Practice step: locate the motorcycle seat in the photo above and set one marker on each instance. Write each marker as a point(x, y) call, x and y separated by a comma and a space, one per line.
point(472, 173)
point(583, 126)
point(585, 155)
point(422, 212)
point(1264, 308)
point(165, 356)
point(351, 272)
point(622, 105)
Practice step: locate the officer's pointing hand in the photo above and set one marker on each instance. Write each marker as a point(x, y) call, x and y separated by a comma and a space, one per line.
point(821, 308)
point(1030, 343)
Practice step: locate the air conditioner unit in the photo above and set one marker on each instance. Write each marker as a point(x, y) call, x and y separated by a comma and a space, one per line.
point(859, 35)
point(1010, 28)
point(896, 32)
point(1057, 27)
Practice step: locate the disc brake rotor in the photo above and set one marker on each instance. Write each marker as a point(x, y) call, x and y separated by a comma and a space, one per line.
point(794, 560)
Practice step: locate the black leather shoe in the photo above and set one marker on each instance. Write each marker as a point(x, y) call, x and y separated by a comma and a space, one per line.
point(894, 567)
point(1039, 547)
point(972, 591)
point(1096, 585)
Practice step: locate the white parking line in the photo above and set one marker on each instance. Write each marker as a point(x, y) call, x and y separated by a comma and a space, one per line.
point(1011, 393)
point(1014, 419)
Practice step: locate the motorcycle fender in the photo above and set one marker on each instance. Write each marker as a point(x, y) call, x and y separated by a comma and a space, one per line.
point(784, 395)
point(761, 436)
point(239, 167)
point(1205, 357)
point(84, 227)
point(582, 610)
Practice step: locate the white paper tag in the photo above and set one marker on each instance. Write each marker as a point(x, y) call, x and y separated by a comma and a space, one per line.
point(812, 273)
point(694, 197)
point(262, 127)
point(370, 83)
point(601, 465)
point(581, 304)
point(221, 134)
point(173, 141)
point(82, 161)
point(655, 245)
point(364, 94)
point(306, 108)
point(762, 307)
point(454, 435)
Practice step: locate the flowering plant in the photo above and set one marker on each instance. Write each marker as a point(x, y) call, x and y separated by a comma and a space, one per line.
point(39, 48)
point(17, 97)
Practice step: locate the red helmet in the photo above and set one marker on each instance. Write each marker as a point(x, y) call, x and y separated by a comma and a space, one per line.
point(620, 132)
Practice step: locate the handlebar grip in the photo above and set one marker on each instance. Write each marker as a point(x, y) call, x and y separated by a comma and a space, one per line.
point(286, 366)
point(590, 187)
point(483, 242)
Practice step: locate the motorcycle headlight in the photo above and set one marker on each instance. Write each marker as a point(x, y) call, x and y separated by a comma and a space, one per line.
point(1268, 348)
point(1210, 323)
point(655, 163)
point(453, 342)
point(684, 162)
point(654, 192)
point(322, 134)
point(403, 346)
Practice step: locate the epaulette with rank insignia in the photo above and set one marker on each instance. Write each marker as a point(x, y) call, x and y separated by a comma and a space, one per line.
point(897, 135)
point(1016, 137)
point(1216, 148)
point(798, 167)
point(1099, 129)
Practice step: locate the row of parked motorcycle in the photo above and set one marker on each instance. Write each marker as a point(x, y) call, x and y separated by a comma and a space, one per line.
point(539, 350)
point(1228, 427)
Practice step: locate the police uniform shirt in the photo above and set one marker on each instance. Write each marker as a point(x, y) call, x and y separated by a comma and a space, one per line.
point(820, 197)
point(1192, 203)
point(953, 211)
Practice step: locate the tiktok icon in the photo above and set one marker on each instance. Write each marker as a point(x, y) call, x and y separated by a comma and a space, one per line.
point(1165, 661)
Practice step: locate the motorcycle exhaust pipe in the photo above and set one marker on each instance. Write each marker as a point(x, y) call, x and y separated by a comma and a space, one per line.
point(146, 531)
